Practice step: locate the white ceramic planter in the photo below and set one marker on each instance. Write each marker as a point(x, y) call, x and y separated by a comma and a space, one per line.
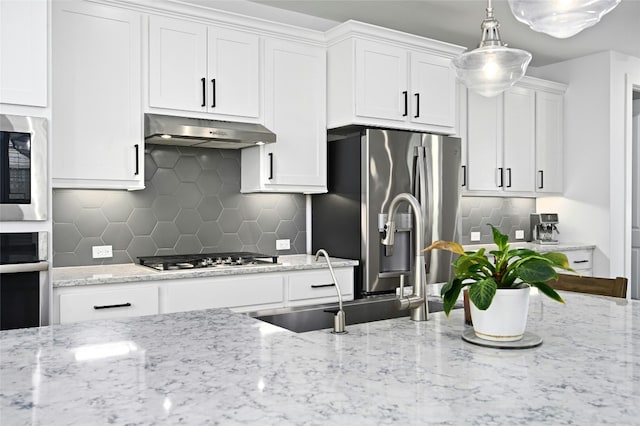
point(506, 318)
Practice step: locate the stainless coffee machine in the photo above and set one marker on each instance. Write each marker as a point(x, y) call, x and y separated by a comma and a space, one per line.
point(543, 228)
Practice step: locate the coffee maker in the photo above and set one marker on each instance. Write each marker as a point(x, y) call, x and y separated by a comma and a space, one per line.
point(543, 228)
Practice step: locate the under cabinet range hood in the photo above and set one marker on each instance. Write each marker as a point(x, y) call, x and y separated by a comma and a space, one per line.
point(198, 132)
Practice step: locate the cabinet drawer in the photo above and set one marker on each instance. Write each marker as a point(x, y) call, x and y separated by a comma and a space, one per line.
point(232, 292)
point(103, 304)
point(316, 285)
point(580, 259)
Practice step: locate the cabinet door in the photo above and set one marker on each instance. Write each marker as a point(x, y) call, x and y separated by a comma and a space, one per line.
point(295, 105)
point(23, 52)
point(177, 64)
point(549, 140)
point(433, 91)
point(234, 73)
point(484, 142)
point(97, 137)
point(519, 139)
point(381, 81)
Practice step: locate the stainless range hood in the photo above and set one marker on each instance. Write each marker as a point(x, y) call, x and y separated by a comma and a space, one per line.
point(181, 131)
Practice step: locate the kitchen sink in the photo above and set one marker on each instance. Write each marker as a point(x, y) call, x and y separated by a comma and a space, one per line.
point(318, 317)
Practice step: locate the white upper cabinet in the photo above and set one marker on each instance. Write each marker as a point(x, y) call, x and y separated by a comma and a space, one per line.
point(514, 141)
point(200, 68)
point(96, 97)
point(549, 137)
point(380, 77)
point(295, 108)
point(519, 140)
point(23, 52)
point(381, 81)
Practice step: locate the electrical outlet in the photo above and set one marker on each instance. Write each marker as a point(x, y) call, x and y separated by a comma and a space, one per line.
point(101, 252)
point(283, 245)
point(475, 236)
point(519, 234)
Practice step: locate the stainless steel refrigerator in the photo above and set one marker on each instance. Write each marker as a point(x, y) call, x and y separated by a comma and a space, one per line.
point(367, 167)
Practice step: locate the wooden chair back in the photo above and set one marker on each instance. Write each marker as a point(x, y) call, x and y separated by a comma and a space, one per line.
point(614, 287)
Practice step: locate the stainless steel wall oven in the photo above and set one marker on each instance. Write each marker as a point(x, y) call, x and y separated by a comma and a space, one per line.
point(23, 168)
point(24, 283)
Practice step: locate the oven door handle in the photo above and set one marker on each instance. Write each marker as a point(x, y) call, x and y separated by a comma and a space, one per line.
point(16, 268)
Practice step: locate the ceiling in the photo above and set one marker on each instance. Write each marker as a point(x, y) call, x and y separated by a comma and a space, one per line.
point(458, 22)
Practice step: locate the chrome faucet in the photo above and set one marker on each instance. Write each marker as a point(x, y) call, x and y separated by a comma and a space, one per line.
point(417, 302)
point(339, 318)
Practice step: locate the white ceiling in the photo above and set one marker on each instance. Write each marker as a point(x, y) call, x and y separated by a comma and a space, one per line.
point(458, 22)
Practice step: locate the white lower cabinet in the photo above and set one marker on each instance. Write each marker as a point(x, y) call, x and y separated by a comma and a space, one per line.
point(311, 287)
point(242, 293)
point(72, 304)
point(581, 261)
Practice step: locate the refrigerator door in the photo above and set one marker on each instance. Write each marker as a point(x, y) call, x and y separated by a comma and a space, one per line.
point(442, 156)
point(387, 160)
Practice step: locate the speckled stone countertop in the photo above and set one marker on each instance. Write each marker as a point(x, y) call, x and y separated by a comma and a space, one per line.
point(110, 274)
point(217, 367)
point(534, 246)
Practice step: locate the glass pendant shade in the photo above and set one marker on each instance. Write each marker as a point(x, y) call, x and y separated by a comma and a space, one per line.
point(561, 18)
point(491, 70)
point(493, 67)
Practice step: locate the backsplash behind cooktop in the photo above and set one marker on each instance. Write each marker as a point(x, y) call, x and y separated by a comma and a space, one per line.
point(192, 203)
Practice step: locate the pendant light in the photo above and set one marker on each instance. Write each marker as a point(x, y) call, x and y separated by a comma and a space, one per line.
point(493, 67)
point(561, 18)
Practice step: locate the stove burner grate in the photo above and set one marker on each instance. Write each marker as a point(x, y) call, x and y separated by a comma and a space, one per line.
point(206, 260)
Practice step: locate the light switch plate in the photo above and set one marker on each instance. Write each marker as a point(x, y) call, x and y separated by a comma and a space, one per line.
point(475, 236)
point(283, 244)
point(519, 234)
point(101, 252)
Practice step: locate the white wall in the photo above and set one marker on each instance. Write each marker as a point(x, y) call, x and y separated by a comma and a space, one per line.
point(595, 207)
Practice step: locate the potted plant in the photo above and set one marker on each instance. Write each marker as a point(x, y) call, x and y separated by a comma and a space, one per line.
point(498, 285)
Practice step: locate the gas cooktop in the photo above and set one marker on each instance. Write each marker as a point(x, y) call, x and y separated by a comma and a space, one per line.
point(206, 260)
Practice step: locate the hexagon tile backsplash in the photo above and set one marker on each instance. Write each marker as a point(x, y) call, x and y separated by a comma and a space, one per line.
point(192, 203)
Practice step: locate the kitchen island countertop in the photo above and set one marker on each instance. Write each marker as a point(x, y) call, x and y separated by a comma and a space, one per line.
point(70, 276)
point(218, 367)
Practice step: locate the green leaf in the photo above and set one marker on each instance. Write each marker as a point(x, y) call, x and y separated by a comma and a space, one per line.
point(558, 260)
point(535, 270)
point(499, 238)
point(548, 291)
point(481, 293)
point(522, 253)
point(450, 293)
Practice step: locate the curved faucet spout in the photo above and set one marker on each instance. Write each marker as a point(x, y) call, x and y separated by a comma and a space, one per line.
point(417, 302)
point(339, 320)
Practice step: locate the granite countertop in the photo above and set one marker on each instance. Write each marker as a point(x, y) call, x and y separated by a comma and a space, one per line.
point(125, 273)
point(534, 246)
point(217, 367)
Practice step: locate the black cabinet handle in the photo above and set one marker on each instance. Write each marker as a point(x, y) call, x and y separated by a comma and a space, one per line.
point(213, 84)
point(417, 95)
point(406, 103)
point(120, 305)
point(464, 175)
point(501, 177)
point(322, 285)
point(137, 148)
point(541, 179)
point(204, 91)
point(580, 261)
point(270, 165)
point(509, 175)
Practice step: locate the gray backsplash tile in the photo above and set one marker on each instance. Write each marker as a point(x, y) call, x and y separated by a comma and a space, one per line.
point(192, 203)
point(507, 214)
